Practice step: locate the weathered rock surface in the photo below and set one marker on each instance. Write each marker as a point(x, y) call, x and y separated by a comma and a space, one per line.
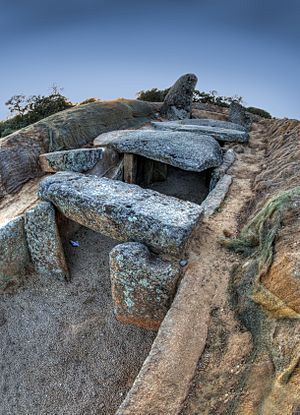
point(237, 115)
point(178, 102)
point(212, 123)
point(184, 150)
point(44, 242)
point(14, 254)
point(228, 159)
point(217, 195)
point(122, 211)
point(220, 134)
point(79, 160)
point(143, 285)
point(73, 128)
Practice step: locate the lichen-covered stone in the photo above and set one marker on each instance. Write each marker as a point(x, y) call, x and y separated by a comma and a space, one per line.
point(212, 123)
point(220, 134)
point(14, 254)
point(143, 285)
point(79, 160)
point(228, 159)
point(122, 211)
point(178, 101)
point(184, 150)
point(237, 115)
point(216, 196)
point(44, 242)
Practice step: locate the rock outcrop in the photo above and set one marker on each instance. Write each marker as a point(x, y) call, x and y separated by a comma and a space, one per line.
point(122, 211)
point(73, 128)
point(178, 102)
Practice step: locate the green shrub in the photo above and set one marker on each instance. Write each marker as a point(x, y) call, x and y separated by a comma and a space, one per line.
point(152, 95)
point(259, 111)
point(88, 101)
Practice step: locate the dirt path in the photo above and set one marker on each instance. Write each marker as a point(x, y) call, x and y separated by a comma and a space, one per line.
point(221, 367)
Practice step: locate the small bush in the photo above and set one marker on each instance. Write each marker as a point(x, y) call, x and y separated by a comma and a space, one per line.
point(152, 95)
point(88, 101)
point(259, 111)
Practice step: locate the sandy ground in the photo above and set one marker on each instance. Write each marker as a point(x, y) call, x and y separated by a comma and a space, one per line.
point(62, 351)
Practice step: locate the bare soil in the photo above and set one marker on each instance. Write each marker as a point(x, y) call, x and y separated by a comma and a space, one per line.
point(62, 350)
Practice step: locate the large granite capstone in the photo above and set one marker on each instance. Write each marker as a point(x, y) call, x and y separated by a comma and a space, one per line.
point(143, 285)
point(220, 134)
point(184, 150)
point(211, 123)
point(122, 211)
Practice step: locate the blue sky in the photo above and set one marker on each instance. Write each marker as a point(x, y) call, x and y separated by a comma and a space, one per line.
point(110, 49)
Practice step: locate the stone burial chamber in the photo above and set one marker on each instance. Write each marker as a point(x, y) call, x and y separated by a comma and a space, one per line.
point(156, 229)
point(175, 163)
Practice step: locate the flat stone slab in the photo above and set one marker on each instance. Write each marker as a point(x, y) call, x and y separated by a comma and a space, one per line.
point(14, 253)
point(122, 211)
point(220, 134)
point(143, 285)
point(44, 242)
point(228, 159)
point(184, 150)
point(217, 195)
point(79, 160)
point(212, 123)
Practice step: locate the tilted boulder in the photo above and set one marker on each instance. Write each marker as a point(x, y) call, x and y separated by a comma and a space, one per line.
point(143, 285)
point(178, 102)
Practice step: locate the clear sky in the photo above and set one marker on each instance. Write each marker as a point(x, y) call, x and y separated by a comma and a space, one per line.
point(110, 49)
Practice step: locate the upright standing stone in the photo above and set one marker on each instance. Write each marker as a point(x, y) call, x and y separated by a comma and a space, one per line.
point(44, 242)
point(178, 102)
point(237, 115)
point(14, 254)
point(143, 285)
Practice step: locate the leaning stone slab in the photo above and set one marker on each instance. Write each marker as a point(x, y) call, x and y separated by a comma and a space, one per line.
point(178, 101)
point(216, 196)
point(122, 211)
point(14, 254)
point(44, 242)
point(220, 134)
point(79, 160)
point(184, 150)
point(212, 123)
point(228, 159)
point(238, 115)
point(143, 285)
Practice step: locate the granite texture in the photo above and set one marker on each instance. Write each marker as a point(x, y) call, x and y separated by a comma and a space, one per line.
point(228, 159)
point(122, 211)
point(238, 115)
point(143, 285)
point(178, 101)
point(212, 123)
point(220, 134)
point(216, 196)
point(44, 242)
point(14, 254)
point(184, 150)
point(79, 160)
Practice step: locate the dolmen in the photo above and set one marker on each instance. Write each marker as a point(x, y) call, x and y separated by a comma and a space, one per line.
point(218, 133)
point(157, 229)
